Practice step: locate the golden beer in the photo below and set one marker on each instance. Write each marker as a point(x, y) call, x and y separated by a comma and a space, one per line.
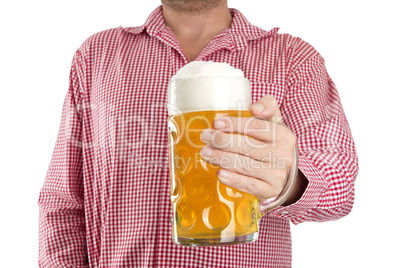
point(205, 210)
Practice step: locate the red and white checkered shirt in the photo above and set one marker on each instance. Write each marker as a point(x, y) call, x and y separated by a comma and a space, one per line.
point(106, 198)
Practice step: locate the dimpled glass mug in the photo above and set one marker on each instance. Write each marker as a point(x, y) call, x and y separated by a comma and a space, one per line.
point(205, 211)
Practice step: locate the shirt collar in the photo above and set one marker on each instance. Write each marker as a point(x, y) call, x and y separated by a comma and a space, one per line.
point(240, 32)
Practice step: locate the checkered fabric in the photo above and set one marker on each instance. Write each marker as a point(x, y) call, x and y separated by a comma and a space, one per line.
point(106, 198)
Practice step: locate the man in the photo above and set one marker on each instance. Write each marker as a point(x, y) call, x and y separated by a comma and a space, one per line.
point(105, 201)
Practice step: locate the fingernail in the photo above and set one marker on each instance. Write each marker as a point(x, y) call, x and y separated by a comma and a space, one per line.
point(206, 151)
point(223, 175)
point(219, 124)
point(258, 107)
point(206, 135)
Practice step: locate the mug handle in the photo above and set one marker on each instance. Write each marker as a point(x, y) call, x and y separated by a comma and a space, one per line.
point(274, 202)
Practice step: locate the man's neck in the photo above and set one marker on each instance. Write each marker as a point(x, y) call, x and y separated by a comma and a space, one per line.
point(195, 30)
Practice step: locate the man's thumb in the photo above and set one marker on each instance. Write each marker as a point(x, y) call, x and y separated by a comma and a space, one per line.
point(266, 108)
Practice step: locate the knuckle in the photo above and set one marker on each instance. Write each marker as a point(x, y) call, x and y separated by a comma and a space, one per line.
point(218, 139)
point(257, 124)
point(251, 185)
point(243, 167)
point(221, 140)
point(248, 147)
point(272, 103)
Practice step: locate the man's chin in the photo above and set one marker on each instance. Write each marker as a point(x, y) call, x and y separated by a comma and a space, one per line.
point(192, 6)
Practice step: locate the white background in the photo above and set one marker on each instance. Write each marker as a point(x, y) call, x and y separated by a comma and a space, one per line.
point(360, 41)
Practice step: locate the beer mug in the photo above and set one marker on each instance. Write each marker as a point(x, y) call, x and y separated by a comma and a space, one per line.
point(206, 212)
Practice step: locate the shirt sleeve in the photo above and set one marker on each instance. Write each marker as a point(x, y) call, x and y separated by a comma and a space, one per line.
point(327, 154)
point(62, 240)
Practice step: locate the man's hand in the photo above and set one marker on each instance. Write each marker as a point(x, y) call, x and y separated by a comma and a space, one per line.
point(254, 153)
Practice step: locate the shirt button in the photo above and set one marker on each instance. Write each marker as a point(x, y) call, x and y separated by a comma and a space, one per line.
point(171, 219)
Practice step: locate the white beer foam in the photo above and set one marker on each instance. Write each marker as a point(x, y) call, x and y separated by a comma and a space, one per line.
point(207, 69)
point(203, 86)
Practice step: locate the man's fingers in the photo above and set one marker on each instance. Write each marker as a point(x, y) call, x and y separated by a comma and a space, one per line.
point(234, 143)
point(261, 130)
point(240, 144)
point(258, 188)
